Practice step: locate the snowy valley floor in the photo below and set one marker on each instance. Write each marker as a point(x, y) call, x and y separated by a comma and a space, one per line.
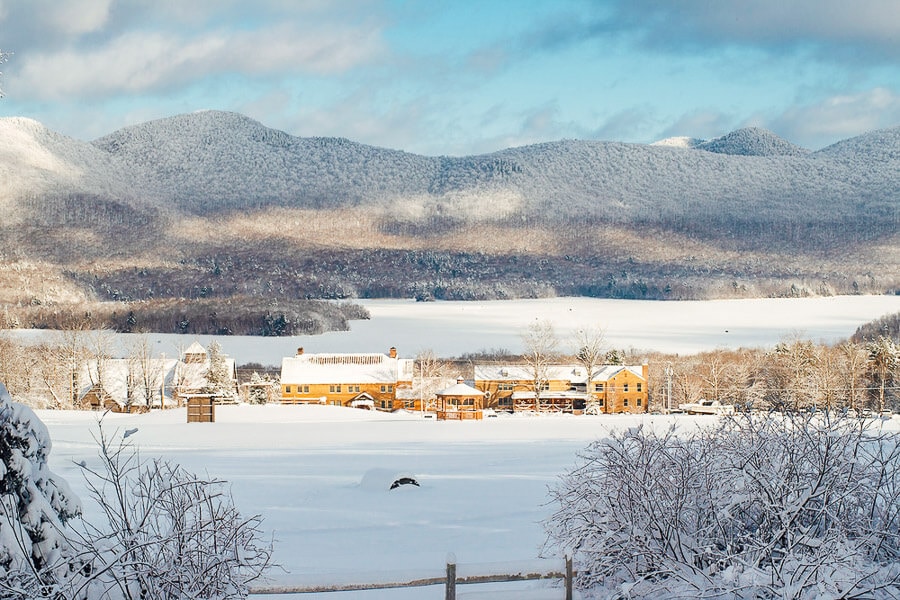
point(319, 476)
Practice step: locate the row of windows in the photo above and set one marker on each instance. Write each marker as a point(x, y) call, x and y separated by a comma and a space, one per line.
point(598, 387)
point(624, 402)
point(334, 389)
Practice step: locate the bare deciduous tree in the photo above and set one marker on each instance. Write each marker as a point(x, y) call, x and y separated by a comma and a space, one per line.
point(590, 352)
point(541, 350)
point(883, 360)
point(430, 374)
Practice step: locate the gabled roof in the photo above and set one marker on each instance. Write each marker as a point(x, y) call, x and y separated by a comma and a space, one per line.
point(195, 348)
point(570, 373)
point(345, 369)
point(460, 389)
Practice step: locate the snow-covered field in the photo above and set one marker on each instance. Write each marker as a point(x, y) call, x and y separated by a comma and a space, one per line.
point(456, 328)
point(319, 476)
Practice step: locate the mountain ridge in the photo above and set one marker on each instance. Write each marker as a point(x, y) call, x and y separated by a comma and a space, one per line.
point(217, 207)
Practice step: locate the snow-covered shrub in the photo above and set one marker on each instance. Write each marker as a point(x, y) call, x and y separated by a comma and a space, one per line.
point(166, 533)
point(35, 504)
point(783, 506)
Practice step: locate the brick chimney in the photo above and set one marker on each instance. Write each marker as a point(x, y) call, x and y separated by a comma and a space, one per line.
point(392, 352)
point(300, 351)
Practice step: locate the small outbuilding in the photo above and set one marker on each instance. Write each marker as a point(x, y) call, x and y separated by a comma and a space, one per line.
point(460, 402)
point(201, 408)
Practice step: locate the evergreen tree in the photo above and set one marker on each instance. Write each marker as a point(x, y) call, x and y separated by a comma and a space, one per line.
point(34, 506)
point(218, 377)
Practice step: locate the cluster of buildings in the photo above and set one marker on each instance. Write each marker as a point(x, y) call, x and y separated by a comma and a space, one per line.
point(387, 382)
point(138, 384)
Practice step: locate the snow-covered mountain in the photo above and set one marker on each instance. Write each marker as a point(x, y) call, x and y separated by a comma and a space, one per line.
point(752, 141)
point(39, 167)
point(680, 141)
point(206, 162)
point(213, 160)
point(218, 207)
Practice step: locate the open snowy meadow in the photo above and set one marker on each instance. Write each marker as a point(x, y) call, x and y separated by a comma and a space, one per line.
point(456, 328)
point(320, 477)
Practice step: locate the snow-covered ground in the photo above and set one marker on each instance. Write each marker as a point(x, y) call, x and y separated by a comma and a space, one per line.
point(320, 476)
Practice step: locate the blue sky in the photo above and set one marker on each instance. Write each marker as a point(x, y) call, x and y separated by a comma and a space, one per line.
point(460, 76)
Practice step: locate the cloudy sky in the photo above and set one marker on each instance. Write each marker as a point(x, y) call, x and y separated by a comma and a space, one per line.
point(460, 76)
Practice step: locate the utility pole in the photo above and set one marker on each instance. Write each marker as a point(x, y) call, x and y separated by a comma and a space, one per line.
point(668, 388)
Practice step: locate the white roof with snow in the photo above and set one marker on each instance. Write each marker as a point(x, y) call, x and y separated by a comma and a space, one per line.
point(345, 368)
point(460, 389)
point(571, 373)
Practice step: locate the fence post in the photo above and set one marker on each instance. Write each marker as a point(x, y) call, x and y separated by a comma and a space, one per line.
point(450, 589)
point(568, 577)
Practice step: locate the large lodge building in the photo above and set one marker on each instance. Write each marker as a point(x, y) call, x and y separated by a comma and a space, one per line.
point(386, 382)
point(354, 380)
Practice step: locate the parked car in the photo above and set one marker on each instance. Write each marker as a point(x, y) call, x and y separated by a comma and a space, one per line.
point(707, 407)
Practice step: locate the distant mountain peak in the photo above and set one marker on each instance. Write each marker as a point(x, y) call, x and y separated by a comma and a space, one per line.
point(752, 141)
point(881, 145)
point(680, 141)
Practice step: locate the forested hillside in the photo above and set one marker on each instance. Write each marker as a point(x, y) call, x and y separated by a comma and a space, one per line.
point(216, 206)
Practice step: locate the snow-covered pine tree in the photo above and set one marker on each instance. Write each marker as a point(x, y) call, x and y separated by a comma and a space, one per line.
point(34, 507)
point(218, 377)
point(257, 392)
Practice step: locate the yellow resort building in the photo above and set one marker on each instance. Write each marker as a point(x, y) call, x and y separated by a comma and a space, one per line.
point(564, 388)
point(352, 380)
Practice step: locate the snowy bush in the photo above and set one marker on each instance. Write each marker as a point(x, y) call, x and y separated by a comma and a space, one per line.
point(34, 506)
point(796, 506)
point(166, 533)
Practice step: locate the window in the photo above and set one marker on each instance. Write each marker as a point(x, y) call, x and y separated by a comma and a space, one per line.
point(638, 401)
point(287, 389)
point(505, 401)
point(638, 387)
point(305, 389)
point(600, 402)
point(391, 388)
point(624, 387)
point(625, 402)
point(598, 387)
point(545, 387)
point(334, 389)
point(383, 389)
point(505, 387)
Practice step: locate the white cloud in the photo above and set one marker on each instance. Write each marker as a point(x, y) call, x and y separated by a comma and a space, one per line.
point(871, 27)
point(140, 61)
point(75, 17)
point(838, 117)
point(702, 123)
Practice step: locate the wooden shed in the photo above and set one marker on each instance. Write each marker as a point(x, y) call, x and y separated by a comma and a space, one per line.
point(201, 408)
point(460, 402)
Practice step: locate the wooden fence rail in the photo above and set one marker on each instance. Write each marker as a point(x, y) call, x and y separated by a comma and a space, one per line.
point(450, 581)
